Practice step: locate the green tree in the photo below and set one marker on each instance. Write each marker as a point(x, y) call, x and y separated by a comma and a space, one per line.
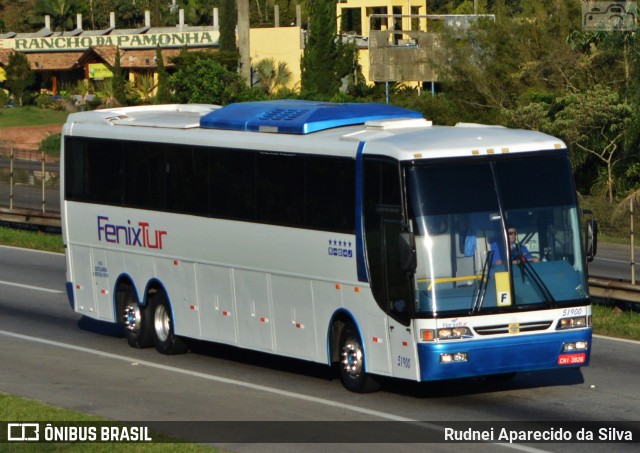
point(159, 11)
point(16, 14)
point(203, 80)
point(129, 14)
point(534, 116)
point(496, 65)
point(198, 12)
point(325, 59)
point(228, 54)
point(119, 82)
point(227, 59)
point(20, 77)
point(262, 12)
point(631, 159)
point(163, 95)
point(98, 13)
point(594, 124)
point(228, 20)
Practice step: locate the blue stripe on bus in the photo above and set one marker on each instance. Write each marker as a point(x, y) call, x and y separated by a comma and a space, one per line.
point(360, 256)
point(500, 355)
point(69, 286)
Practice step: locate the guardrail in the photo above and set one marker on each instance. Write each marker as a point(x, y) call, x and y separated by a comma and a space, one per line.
point(614, 290)
point(30, 217)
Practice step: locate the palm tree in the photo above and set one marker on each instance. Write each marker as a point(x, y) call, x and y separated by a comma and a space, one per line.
point(104, 90)
point(196, 12)
point(145, 86)
point(272, 76)
point(61, 12)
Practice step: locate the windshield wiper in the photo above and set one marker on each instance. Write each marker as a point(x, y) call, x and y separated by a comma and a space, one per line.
point(484, 281)
point(526, 267)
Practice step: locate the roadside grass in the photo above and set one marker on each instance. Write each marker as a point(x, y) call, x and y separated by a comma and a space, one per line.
point(611, 321)
point(15, 409)
point(48, 242)
point(31, 116)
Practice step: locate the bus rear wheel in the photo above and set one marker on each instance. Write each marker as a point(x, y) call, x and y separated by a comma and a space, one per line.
point(136, 322)
point(165, 340)
point(352, 369)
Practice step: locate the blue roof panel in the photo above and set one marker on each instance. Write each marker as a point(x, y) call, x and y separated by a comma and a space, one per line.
point(298, 117)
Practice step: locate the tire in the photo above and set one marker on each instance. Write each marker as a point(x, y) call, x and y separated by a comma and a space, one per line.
point(165, 340)
point(352, 365)
point(136, 322)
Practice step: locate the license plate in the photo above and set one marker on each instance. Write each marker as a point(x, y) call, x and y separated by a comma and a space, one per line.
point(572, 359)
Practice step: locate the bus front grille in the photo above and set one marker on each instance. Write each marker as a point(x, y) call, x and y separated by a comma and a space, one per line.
point(513, 328)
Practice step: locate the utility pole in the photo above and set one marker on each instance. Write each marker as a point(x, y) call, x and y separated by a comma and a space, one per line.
point(243, 40)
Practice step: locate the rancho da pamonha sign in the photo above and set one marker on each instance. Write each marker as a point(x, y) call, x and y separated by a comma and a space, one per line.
point(139, 41)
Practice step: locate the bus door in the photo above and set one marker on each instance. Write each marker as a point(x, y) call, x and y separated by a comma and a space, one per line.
point(399, 297)
point(391, 286)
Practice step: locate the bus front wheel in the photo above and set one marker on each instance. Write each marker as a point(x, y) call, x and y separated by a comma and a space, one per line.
point(352, 370)
point(165, 340)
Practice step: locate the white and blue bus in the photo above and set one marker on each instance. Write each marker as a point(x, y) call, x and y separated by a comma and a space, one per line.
point(352, 234)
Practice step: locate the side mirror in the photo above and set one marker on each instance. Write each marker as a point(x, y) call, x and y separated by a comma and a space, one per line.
point(408, 256)
point(591, 239)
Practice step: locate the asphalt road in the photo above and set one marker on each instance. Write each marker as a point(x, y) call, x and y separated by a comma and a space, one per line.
point(30, 197)
point(614, 261)
point(51, 354)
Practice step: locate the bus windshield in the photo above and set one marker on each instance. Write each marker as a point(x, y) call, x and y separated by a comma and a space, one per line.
point(496, 235)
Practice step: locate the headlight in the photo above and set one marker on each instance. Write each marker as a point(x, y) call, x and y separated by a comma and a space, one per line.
point(455, 357)
point(575, 346)
point(572, 323)
point(454, 333)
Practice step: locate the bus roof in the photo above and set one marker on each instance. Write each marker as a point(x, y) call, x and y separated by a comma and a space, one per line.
point(287, 124)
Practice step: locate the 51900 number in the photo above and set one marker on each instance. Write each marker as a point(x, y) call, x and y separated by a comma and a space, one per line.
point(404, 362)
point(573, 311)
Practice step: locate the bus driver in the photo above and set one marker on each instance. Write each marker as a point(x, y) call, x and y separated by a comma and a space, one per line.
point(519, 252)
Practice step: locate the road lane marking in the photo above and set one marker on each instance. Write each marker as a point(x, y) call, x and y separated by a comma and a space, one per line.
point(36, 288)
point(613, 260)
point(262, 388)
point(22, 249)
point(622, 340)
